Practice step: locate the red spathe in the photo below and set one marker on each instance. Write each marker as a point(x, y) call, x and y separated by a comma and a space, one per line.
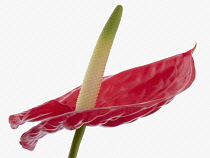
point(123, 98)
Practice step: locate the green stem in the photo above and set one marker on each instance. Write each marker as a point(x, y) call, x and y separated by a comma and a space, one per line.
point(76, 142)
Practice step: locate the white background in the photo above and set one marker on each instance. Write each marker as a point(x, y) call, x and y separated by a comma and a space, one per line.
point(45, 46)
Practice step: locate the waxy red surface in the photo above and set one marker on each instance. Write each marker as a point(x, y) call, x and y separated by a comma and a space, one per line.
point(123, 98)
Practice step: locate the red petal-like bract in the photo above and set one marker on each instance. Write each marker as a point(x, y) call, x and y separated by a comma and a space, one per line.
point(123, 98)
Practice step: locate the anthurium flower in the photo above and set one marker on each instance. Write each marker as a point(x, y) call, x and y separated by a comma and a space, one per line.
point(123, 98)
point(115, 99)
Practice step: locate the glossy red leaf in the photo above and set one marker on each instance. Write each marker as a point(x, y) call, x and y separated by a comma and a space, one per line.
point(123, 98)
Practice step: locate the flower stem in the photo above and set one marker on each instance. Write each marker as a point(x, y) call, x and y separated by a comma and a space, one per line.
point(76, 142)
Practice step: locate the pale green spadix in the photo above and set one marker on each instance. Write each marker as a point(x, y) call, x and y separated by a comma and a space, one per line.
point(95, 71)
